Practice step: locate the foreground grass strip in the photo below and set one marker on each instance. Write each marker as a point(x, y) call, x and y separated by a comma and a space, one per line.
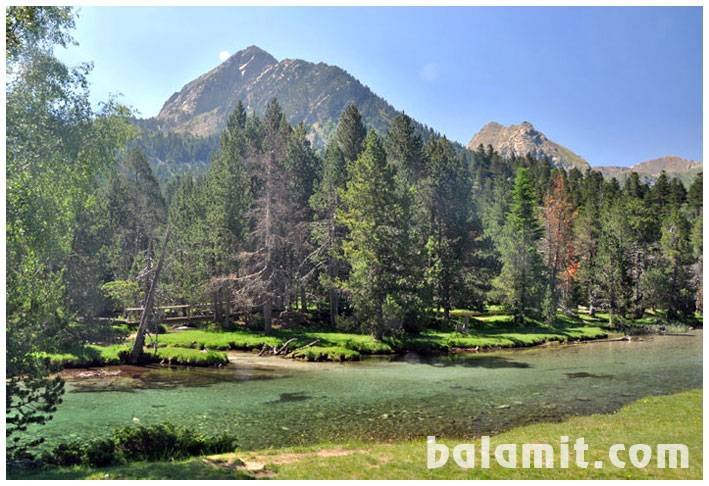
point(194, 468)
point(654, 420)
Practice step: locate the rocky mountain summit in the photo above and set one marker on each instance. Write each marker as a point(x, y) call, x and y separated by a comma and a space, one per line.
point(315, 94)
point(523, 139)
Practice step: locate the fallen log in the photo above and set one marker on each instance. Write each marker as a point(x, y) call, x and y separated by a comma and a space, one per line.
point(277, 351)
point(306, 346)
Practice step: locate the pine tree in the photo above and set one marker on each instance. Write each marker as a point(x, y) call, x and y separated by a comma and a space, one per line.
point(695, 195)
point(189, 269)
point(448, 201)
point(378, 246)
point(611, 263)
point(697, 267)
point(327, 232)
point(350, 133)
point(405, 150)
point(266, 279)
point(587, 232)
point(227, 200)
point(677, 252)
point(659, 194)
point(520, 277)
point(301, 165)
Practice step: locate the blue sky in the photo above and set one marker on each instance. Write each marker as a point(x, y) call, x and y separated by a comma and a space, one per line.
point(616, 85)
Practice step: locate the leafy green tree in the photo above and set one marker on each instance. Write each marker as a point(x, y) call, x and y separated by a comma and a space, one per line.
point(56, 148)
point(39, 28)
point(520, 279)
point(640, 238)
point(226, 197)
point(678, 194)
point(405, 149)
point(114, 236)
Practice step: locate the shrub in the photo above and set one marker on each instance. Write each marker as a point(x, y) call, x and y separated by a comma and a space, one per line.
point(101, 452)
point(68, 454)
point(140, 443)
point(152, 443)
point(166, 442)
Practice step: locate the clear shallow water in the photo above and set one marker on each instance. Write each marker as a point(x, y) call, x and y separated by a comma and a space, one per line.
point(404, 397)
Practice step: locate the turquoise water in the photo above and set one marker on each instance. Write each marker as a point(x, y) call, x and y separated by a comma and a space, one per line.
point(385, 399)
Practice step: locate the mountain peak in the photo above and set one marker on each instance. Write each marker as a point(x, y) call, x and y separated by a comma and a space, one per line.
point(524, 139)
point(493, 125)
point(313, 93)
point(254, 50)
point(251, 52)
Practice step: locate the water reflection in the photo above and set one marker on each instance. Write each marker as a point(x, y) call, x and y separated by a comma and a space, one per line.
point(584, 374)
point(466, 360)
point(158, 378)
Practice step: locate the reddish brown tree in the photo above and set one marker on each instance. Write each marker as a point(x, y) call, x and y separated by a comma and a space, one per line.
point(558, 246)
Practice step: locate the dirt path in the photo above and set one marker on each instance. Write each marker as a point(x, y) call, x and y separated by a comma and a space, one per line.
point(256, 464)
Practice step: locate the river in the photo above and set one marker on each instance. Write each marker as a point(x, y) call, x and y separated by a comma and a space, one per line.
point(273, 402)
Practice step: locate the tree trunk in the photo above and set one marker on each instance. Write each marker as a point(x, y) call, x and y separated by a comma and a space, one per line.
point(215, 306)
point(227, 311)
point(303, 302)
point(332, 294)
point(333, 307)
point(267, 316)
point(148, 307)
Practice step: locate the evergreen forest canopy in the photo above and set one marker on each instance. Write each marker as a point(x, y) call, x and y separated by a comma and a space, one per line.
point(377, 233)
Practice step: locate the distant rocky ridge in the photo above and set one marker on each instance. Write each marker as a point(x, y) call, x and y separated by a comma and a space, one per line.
point(674, 166)
point(524, 139)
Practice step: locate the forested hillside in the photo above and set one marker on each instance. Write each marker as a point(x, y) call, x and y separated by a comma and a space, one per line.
point(380, 230)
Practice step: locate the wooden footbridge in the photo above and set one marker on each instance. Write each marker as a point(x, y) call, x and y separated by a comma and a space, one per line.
point(171, 314)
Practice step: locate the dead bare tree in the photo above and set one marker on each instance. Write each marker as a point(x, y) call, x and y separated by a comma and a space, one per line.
point(145, 316)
